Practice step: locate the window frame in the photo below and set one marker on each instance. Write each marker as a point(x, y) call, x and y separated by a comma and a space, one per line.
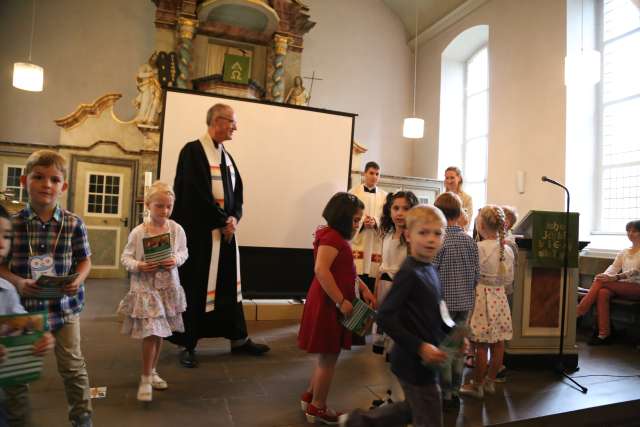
point(118, 214)
point(465, 139)
point(21, 190)
point(599, 167)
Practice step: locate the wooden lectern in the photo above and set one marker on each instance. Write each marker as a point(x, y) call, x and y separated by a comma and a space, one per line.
point(536, 310)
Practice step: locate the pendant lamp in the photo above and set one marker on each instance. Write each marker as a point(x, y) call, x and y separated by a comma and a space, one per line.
point(28, 76)
point(413, 127)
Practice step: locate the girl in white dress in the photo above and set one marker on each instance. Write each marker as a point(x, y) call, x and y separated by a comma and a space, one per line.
point(394, 251)
point(491, 318)
point(153, 307)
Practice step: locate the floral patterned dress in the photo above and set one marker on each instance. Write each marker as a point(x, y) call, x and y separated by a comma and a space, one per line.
point(155, 302)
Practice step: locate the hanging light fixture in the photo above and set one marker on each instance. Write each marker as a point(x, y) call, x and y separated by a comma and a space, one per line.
point(582, 69)
point(413, 127)
point(28, 76)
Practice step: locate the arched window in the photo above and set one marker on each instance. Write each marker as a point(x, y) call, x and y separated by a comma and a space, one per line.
point(464, 110)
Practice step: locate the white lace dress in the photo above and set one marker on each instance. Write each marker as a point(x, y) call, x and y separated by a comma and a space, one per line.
point(155, 301)
point(491, 318)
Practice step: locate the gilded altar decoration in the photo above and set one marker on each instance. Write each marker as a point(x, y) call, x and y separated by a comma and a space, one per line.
point(186, 32)
point(167, 64)
point(88, 110)
point(270, 31)
point(280, 50)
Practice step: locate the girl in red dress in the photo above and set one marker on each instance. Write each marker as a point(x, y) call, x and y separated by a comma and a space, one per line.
point(329, 298)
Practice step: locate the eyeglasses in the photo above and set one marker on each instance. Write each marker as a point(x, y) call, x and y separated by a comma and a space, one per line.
point(232, 121)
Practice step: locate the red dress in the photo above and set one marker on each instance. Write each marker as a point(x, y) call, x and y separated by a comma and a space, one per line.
point(320, 331)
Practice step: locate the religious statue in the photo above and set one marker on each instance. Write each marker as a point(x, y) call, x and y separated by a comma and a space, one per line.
point(148, 101)
point(297, 94)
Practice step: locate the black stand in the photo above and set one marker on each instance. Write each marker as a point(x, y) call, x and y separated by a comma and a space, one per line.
point(559, 365)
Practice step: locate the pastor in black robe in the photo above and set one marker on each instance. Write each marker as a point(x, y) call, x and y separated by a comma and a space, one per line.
point(198, 213)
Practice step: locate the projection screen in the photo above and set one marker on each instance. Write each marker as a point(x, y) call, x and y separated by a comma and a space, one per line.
point(291, 160)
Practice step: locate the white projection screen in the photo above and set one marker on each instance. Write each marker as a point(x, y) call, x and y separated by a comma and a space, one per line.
point(291, 160)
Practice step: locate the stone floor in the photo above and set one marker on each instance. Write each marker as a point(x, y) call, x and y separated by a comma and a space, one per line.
point(247, 391)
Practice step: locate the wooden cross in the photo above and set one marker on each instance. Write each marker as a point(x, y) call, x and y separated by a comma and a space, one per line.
point(313, 78)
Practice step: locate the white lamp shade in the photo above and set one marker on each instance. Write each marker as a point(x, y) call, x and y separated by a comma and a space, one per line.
point(28, 76)
point(413, 127)
point(582, 69)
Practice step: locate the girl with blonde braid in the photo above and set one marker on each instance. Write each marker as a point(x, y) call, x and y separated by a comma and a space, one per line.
point(491, 318)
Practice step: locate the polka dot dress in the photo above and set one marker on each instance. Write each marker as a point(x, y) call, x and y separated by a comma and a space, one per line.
point(491, 318)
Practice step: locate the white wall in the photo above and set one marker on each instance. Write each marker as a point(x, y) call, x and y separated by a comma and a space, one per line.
point(359, 48)
point(527, 43)
point(87, 48)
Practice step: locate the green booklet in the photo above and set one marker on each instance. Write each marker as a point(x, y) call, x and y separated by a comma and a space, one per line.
point(360, 319)
point(452, 343)
point(157, 248)
point(18, 333)
point(50, 287)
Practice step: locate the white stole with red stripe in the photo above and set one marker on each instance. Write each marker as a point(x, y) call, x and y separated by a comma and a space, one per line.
point(367, 242)
point(214, 156)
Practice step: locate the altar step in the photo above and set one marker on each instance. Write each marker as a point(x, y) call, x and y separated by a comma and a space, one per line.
point(272, 309)
point(620, 414)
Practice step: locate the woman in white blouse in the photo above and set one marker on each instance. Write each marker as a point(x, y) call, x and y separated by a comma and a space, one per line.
point(453, 182)
point(622, 279)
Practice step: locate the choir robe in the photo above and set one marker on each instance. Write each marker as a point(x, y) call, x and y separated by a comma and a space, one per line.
point(367, 242)
point(197, 212)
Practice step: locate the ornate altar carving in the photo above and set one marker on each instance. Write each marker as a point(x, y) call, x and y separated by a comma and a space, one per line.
point(276, 82)
point(186, 32)
point(269, 29)
point(215, 83)
point(88, 110)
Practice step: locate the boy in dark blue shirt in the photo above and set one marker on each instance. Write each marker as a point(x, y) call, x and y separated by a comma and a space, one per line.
point(410, 314)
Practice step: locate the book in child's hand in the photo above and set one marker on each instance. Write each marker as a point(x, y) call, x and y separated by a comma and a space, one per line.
point(18, 333)
point(157, 248)
point(452, 343)
point(51, 287)
point(360, 319)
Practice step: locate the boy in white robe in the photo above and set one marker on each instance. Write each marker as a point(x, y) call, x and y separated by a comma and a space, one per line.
point(367, 243)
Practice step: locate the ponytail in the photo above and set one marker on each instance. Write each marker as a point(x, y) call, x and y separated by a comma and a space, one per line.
point(500, 220)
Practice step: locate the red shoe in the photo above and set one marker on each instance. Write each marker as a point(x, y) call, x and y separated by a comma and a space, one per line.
point(305, 400)
point(323, 415)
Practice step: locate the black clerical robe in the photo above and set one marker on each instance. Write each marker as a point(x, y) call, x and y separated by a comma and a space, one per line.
point(198, 213)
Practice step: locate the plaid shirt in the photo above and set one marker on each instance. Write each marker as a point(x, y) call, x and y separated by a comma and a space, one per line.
point(459, 269)
point(73, 246)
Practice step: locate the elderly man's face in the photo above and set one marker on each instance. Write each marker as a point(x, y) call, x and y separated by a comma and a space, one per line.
point(222, 127)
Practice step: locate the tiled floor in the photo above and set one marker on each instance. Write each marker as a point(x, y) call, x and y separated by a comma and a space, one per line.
point(246, 391)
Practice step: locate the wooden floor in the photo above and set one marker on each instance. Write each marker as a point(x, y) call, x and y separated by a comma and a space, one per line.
point(246, 391)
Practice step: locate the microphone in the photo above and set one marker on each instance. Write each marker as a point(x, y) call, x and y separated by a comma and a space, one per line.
point(547, 179)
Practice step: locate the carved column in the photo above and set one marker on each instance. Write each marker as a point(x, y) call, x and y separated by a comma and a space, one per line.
point(186, 32)
point(276, 69)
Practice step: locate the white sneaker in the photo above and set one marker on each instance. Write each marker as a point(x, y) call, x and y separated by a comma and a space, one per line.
point(145, 392)
point(157, 382)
